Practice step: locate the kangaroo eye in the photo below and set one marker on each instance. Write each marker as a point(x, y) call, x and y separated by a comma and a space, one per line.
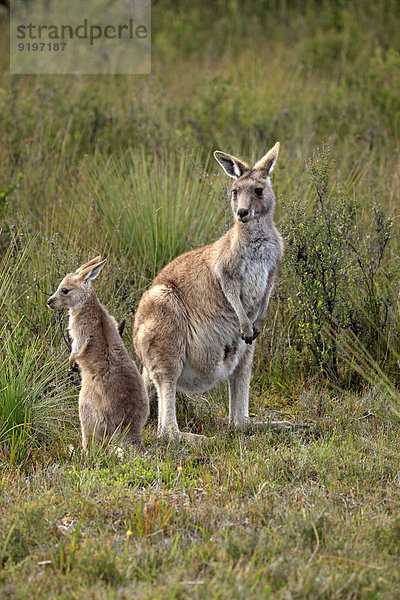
point(64, 291)
point(234, 193)
point(258, 191)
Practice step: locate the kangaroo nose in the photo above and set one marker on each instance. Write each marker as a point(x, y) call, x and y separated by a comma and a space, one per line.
point(50, 301)
point(242, 213)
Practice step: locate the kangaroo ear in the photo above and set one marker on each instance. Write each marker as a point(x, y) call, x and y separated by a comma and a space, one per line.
point(267, 162)
point(91, 263)
point(90, 273)
point(231, 165)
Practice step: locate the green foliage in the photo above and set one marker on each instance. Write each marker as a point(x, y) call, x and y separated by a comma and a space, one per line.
point(340, 268)
point(126, 170)
point(34, 392)
point(384, 79)
point(150, 207)
point(6, 193)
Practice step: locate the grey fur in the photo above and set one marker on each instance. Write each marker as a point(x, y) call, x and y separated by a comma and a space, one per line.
point(196, 324)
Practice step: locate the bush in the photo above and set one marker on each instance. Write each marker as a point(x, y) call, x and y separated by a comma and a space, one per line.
point(340, 269)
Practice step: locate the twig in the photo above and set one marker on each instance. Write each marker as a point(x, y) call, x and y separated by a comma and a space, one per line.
point(38, 289)
point(365, 416)
point(317, 544)
point(121, 327)
point(155, 532)
point(61, 324)
point(200, 172)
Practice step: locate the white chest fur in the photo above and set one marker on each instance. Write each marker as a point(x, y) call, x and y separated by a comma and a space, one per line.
point(76, 332)
point(257, 264)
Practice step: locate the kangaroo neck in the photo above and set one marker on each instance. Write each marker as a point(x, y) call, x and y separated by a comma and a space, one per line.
point(87, 312)
point(252, 231)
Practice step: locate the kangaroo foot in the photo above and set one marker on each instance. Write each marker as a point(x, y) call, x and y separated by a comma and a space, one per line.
point(179, 436)
point(194, 438)
point(275, 425)
point(278, 425)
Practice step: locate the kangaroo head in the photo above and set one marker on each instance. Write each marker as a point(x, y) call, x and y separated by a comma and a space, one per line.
point(76, 287)
point(251, 196)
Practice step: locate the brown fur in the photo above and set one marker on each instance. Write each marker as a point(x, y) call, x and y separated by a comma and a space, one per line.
point(113, 397)
point(196, 323)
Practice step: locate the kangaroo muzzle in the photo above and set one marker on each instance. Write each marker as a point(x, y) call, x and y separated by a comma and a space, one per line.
point(51, 302)
point(243, 215)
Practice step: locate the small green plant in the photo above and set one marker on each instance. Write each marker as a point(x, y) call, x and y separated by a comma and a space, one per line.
point(63, 557)
point(154, 515)
point(34, 390)
point(33, 395)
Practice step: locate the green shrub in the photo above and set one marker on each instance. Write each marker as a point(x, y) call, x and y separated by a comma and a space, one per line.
point(339, 267)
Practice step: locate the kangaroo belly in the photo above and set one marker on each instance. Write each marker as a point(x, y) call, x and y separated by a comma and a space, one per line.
point(212, 354)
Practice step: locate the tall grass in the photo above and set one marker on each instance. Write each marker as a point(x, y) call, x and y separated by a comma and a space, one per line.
point(33, 391)
point(360, 359)
point(150, 207)
point(35, 396)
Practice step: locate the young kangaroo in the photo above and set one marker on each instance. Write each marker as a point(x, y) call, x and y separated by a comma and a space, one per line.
point(196, 324)
point(113, 397)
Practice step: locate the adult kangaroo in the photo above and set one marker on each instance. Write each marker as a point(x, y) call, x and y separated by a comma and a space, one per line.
point(196, 324)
